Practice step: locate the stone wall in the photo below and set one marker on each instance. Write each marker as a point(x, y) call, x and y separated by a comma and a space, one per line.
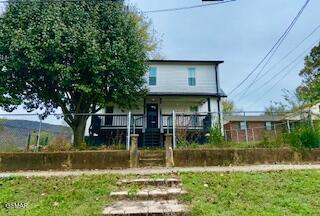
point(224, 157)
point(64, 160)
point(181, 158)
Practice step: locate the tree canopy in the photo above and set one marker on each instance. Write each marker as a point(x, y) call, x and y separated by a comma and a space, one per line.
point(228, 106)
point(309, 90)
point(79, 56)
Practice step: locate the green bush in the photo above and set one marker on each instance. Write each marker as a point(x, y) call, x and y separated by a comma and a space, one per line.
point(304, 136)
point(215, 135)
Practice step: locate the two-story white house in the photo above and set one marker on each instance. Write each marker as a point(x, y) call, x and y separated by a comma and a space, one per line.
point(187, 90)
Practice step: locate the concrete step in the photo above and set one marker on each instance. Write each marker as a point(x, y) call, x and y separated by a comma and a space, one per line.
point(144, 194)
point(150, 207)
point(148, 154)
point(152, 156)
point(170, 182)
point(151, 162)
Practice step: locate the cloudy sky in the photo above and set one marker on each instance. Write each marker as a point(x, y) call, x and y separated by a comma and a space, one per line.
point(240, 33)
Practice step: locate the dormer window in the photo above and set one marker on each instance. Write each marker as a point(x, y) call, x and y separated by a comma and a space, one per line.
point(191, 76)
point(153, 76)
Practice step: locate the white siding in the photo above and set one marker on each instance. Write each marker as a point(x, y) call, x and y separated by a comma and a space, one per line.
point(173, 77)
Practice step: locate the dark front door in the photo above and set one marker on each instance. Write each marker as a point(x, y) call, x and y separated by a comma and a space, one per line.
point(152, 115)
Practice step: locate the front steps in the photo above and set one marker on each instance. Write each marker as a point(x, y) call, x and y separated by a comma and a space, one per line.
point(154, 197)
point(152, 138)
point(144, 194)
point(170, 182)
point(152, 158)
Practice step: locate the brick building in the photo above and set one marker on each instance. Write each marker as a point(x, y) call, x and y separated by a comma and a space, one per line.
point(252, 128)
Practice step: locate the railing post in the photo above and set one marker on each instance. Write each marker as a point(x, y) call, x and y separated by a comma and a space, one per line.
point(274, 126)
point(237, 136)
point(39, 133)
point(128, 130)
point(253, 138)
point(174, 128)
point(288, 125)
point(311, 119)
point(225, 137)
point(134, 125)
point(246, 127)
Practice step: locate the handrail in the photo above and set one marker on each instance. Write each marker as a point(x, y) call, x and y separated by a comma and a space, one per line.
point(135, 120)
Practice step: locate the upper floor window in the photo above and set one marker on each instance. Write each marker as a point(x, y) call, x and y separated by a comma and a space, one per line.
point(153, 76)
point(191, 76)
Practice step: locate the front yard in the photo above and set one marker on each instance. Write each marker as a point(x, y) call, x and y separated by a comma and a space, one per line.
point(271, 193)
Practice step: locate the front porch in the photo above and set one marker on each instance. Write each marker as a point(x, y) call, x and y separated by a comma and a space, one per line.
point(158, 115)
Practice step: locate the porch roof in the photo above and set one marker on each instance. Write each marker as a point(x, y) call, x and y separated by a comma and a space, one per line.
point(186, 61)
point(208, 94)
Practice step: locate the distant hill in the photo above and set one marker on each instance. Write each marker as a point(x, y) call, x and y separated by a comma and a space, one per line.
point(14, 134)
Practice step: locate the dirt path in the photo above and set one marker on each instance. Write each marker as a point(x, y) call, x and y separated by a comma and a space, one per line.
point(146, 171)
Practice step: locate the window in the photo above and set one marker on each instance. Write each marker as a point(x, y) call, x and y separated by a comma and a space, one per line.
point(153, 76)
point(193, 109)
point(243, 125)
point(268, 126)
point(191, 76)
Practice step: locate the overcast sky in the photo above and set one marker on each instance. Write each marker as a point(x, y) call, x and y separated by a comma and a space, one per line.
point(240, 33)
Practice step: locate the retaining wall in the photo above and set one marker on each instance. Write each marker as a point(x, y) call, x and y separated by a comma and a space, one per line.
point(64, 160)
point(224, 157)
point(182, 158)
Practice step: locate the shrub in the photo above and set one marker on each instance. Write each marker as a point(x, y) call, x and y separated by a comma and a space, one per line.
point(304, 136)
point(215, 137)
point(58, 144)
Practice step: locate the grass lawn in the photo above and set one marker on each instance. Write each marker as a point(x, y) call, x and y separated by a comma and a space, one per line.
point(273, 193)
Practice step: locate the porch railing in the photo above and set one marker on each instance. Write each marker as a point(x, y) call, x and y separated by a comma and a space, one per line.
point(193, 121)
point(138, 121)
point(117, 121)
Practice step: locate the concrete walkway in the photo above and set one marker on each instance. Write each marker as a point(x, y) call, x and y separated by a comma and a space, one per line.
point(148, 171)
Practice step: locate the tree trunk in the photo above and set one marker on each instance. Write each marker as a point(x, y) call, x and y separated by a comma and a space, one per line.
point(79, 128)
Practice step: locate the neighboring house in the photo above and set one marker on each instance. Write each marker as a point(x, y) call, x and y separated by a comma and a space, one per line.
point(251, 128)
point(305, 112)
point(189, 88)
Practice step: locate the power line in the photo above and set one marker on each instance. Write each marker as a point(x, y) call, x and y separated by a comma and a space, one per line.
point(287, 66)
point(150, 11)
point(274, 51)
point(284, 57)
point(291, 51)
point(275, 84)
point(279, 41)
point(187, 7)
